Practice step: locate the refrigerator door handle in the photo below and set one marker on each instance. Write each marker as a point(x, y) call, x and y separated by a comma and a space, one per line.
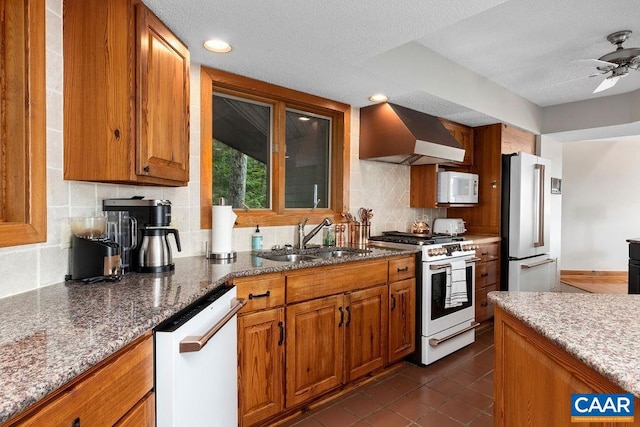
point(537, 264)
point(540, 223)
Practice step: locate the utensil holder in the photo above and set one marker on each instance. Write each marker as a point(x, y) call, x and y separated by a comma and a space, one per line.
point(359, 234)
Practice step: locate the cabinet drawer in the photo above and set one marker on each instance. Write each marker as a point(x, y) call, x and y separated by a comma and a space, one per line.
point(261, 292)
point(102, 395)
point(402, 268)
point(322, 281)
point(484, 308)
point(486, 274)
point(488, 251)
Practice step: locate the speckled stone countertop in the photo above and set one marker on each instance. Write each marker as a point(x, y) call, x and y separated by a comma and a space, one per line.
point(51, 335)
point(601, 330)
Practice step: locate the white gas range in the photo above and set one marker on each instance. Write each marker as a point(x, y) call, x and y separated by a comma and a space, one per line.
point(445, 289)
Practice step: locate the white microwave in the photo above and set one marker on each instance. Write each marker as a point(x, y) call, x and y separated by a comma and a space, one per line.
point(457, 187)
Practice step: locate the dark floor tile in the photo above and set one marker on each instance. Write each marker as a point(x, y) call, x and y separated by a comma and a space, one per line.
point(419, 374)
point(459, 411)
point(382, 394)
point(436, 419)
point(483, 420)
point(484, 385)
point(306, 422)
point(360, 405)
point(387, 418)
point(461, 377)
point(335, 416)
point(476, 399)
point(409, 408)
point(401, 383)
point(445, 386)
point(428, 396)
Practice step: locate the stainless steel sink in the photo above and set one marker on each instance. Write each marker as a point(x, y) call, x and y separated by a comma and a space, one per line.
point(289, 257)
point(339, 253)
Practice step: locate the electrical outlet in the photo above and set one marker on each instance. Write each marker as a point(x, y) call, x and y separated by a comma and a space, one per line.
point(65, 235)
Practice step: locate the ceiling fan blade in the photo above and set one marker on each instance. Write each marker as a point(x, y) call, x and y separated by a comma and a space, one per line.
point(607, 83)
point(564, 82)
point(597, 62)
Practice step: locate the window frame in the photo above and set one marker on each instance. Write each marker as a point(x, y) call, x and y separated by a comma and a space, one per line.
point(214, 80)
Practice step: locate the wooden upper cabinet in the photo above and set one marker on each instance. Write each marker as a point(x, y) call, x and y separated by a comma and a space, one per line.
point(464, 135)
point(126, 95)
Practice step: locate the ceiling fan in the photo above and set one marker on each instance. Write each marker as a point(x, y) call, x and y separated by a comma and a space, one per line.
point(618, 62)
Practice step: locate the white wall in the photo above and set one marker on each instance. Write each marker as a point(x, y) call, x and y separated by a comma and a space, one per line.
point(552, 150)
point(600, 203)
point(382, 187)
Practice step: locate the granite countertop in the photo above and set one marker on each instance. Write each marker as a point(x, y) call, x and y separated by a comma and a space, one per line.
point(601, 330)
point(50, 335)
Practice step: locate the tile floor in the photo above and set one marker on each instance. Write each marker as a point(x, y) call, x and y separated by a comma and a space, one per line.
point(455, 391)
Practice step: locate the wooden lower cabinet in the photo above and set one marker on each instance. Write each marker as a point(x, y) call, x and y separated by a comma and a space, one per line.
point(314, 349)
point(260, 365)
point(117, 390)
point(534, 379)
point(487, 278)
point(366, 331)
point(402, 319)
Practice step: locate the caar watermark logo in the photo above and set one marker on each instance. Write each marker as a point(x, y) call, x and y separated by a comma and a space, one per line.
point(602, 407)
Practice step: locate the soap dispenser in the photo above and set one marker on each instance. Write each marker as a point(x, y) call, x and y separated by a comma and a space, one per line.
point(256, 240)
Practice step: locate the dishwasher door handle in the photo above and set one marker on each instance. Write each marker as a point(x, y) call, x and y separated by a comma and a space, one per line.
point(192, 343)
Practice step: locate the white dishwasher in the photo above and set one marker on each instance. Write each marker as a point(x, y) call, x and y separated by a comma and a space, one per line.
point(196, 362)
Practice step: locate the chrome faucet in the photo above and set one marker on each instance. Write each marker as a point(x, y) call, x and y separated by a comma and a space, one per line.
point(304, 238)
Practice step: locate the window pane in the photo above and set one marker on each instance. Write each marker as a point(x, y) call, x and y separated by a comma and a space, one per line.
point(241, 152)
point(308, 141)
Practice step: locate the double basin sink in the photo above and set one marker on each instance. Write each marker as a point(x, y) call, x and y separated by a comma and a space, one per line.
point(324, 253)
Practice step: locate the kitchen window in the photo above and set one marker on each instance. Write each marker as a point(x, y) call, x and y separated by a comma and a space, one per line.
point(275, 154)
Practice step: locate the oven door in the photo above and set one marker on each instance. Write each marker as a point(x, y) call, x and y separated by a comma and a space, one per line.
point(438, 316)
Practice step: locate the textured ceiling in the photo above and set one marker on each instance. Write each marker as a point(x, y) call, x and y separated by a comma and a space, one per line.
point(322, 47)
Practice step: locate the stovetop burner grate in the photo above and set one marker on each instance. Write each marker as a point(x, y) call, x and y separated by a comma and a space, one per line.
point(415, 238)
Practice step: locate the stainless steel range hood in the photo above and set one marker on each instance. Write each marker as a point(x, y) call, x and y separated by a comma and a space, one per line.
point(394, 134)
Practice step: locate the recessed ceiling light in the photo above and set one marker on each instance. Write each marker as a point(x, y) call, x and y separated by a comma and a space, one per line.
point(304, 118)
point(378, 98)
point(217, 46)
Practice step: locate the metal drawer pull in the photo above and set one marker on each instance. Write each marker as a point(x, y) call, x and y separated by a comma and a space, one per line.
point(546, 261)
point(281, 326)
point(400, 270)
point(434, 342)
point(441, 266)
point(266, 294)
point(191, 344)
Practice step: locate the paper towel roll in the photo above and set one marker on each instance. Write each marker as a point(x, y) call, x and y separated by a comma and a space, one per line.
point(222, 220)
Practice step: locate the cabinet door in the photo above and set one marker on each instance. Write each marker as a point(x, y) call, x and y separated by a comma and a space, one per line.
point(402, 319)
point(314, 347)
point(366, 329)
point(163, 101)
point(260, 365)
point(141, 415)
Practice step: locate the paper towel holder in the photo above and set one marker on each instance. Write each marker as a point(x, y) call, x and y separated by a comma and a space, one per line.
point(210, 255)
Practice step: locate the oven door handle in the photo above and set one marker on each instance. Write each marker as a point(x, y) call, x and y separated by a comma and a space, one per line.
point(195, 343)
point(441, 266)
point(434, 342)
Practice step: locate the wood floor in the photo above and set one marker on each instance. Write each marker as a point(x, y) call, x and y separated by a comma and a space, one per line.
point(596, 282)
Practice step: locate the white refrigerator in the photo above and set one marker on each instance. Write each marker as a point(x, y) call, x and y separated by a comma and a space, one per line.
point(525, 224)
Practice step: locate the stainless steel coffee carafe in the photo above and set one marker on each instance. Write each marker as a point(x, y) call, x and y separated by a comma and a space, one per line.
point(150, 251)
point(154, 253)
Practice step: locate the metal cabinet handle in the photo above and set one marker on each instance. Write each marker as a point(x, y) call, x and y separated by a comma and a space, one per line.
point(194, 343)
point(266, 294)
point(76, 422)
point(484, 274)
point(393, 302)
point(348, 318)
point(281, 326)
point(341, 317)
point(400, 270)
point(484, 304)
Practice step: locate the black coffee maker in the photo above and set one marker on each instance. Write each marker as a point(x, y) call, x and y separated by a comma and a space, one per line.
point(152, 252)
